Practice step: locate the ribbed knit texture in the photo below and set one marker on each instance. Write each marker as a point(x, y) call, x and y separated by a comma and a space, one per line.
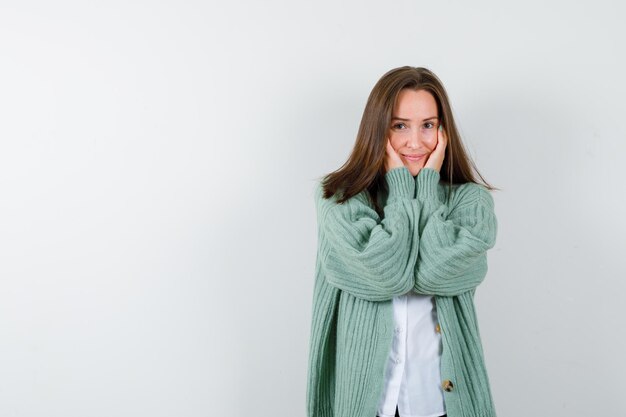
point(363, 261)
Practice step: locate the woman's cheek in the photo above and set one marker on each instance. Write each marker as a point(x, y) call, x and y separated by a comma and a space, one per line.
point(395, 140)
point(431, 141)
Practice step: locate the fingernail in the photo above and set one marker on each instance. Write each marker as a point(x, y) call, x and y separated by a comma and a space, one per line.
point(440, 128)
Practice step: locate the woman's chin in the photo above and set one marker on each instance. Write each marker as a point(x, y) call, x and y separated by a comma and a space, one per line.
point(414, 169)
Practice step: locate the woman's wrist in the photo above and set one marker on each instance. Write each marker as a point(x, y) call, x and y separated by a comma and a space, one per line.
point(400, 182)
point(426, 181)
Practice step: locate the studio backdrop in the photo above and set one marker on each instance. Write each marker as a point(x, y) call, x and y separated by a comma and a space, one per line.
point(157, 168)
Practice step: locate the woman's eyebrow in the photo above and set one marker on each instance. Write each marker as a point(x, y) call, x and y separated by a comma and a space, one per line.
point(408, 120)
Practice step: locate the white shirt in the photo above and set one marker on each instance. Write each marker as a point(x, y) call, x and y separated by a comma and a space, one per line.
point(412, 377)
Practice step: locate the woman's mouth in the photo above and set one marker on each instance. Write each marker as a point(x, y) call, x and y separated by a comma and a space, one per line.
point(413, 158)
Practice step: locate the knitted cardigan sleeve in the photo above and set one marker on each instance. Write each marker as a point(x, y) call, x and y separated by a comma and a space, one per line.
point(361, 254)
point(453, 240)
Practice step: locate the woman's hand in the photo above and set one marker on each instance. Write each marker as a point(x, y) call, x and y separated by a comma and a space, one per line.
point(392, 158)
point(435, 159)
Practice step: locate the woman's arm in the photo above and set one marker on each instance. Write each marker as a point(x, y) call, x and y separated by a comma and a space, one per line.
point(361, 254)
point(453, 247)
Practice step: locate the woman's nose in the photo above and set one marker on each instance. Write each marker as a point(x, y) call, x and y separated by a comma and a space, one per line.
point(414, 140)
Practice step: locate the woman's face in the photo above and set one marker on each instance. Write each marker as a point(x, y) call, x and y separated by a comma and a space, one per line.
point(413, 130)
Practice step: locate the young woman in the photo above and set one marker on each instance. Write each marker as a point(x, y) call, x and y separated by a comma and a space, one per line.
point(403, 234)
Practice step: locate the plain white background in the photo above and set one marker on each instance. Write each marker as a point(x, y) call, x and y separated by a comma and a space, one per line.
point(157, 164)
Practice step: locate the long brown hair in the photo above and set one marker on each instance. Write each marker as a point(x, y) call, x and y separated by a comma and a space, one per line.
point(365, 168)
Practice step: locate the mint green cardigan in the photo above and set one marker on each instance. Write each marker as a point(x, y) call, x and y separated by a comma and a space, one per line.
point(421, 244)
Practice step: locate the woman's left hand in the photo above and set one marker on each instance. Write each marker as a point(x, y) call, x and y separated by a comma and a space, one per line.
point(435, 159)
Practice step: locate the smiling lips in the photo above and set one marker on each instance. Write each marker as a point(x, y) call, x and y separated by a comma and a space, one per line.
point(413, 157)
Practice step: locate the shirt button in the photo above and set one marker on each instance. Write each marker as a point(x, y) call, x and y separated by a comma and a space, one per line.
point(447, 385)
point(398, 329)
point(398, 361)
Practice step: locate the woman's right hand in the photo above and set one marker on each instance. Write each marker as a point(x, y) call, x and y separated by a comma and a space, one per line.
point(392, 158)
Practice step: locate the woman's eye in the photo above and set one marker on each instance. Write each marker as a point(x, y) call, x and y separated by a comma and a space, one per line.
point(398, 125)
point(429, 124)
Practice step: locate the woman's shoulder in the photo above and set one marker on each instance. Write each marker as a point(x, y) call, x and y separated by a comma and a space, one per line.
point(471, 193)
point(357, 202)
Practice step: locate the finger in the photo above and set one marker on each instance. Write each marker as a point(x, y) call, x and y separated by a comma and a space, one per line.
point(441, 133)
point(390, 149)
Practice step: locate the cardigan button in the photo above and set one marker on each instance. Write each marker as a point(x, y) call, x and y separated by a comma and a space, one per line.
point(437, 328)
point(447, 385)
